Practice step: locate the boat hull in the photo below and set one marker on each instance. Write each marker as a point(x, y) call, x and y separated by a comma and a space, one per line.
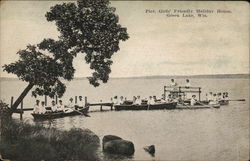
point(146, 107)
point(61, 114)
point(221, 102)
point(197, 106)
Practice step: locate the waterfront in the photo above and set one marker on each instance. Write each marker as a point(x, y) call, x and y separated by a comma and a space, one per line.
point(205, 134)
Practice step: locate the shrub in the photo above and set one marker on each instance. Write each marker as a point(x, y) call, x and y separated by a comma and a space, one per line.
point(22, 141)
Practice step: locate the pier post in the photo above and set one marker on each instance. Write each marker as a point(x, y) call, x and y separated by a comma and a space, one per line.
point(164, 92)
point(199, 93)
point(111, 107)
point(45, 100)
point(86, 101)
point(21, 112)
point(56, 99)
point(101, 105)
point(75, 99)
point(11, 101)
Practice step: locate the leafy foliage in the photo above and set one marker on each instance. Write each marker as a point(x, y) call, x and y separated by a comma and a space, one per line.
point(44, 71)
point(90, 27)
point(4, 108)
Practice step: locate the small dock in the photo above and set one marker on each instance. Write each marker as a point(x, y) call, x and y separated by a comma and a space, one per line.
point(108, 106)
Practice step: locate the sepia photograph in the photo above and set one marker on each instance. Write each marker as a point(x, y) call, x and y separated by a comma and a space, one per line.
point(114, 80)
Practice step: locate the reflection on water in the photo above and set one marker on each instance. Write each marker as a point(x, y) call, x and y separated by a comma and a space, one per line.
point(202, 134)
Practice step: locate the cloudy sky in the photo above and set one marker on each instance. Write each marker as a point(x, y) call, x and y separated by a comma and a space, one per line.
point(158, 45)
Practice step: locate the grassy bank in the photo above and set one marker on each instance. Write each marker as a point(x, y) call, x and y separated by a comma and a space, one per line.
point(22, 141)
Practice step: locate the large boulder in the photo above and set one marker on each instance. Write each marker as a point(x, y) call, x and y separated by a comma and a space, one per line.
point(116, 145)
point(108, 138)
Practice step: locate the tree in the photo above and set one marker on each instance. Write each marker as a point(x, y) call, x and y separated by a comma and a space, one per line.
point(42, 69)
point(90, 27)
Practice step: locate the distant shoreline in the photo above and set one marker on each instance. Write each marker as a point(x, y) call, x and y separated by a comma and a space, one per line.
point(207, 76)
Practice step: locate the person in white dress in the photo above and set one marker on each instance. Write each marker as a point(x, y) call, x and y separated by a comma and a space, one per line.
point(70, 107)
point(226, 96)
point(53, 106)
point(169, 99)
point(60, 106)
point(138, 100)
point(210, 96)
point(121, 101)
point(134, 99)
point(116, 101)
point(188, 84)
point(81, 102)
point(193, 100)
point(36, 108)
point(219, 97)
point(151, 101)
point(173, 83)
point(71, 103)
point(42, 108)
point(163, 98)
point(214, 101)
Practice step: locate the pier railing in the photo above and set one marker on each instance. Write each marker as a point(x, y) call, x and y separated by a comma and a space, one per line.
point(181, 90)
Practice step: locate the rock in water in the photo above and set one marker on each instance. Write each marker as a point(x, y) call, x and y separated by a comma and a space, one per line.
point(115, 145)
point(122, 147)
point(108, 138)
point(150, 149)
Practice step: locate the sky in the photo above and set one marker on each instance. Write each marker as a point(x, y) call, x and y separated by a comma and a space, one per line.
point(158, 45)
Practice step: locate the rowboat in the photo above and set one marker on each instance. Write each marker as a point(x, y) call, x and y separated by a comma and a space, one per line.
point(221, 102)
point(54, 115)
point(198, 106)
point(158, 106)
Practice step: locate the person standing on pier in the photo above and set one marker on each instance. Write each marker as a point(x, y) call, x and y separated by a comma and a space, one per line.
point(174, 87)
point(173, 83)
point(188, 95)
point(188, 84)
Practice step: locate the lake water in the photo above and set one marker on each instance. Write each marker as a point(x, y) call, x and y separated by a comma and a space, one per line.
point(202, 134)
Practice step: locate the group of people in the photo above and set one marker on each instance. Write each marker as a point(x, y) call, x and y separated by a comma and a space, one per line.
point(138, 101)
point(40, 108)
point(174, 96)
point(214, 98)
point(173, 83)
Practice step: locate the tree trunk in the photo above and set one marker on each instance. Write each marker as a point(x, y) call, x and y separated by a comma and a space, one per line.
point(21, 97)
